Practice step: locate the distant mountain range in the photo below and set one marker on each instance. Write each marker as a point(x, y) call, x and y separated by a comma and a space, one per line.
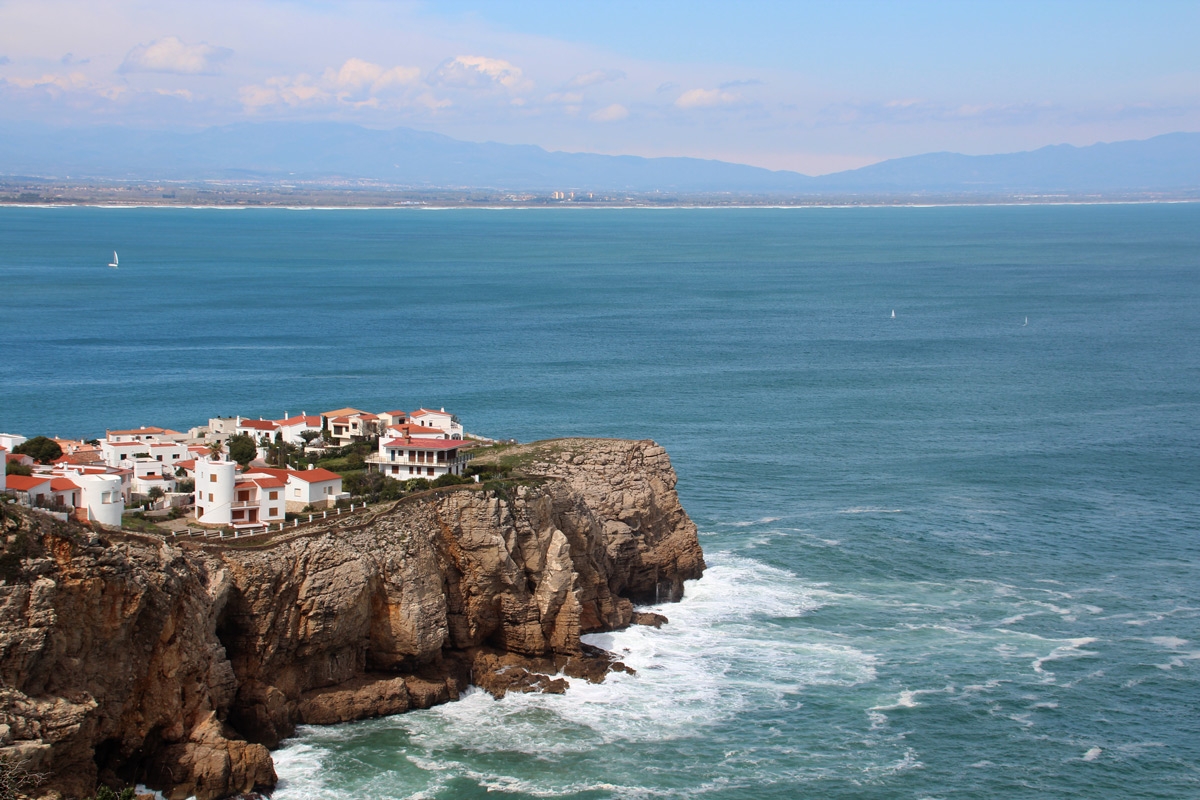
point(403, 157)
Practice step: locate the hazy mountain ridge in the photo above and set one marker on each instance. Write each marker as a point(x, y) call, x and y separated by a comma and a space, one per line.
point(420, 160)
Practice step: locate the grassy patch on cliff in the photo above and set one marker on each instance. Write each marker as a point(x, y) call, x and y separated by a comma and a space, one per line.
point(519, 459)
point(137, 522)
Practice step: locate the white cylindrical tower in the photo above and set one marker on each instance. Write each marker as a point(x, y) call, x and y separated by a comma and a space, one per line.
point(214, 491)
point(101, 496)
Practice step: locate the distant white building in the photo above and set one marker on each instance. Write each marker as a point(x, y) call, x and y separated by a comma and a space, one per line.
point(260, 496)
point(215, 481)
point(412, 457)
point(146, 434)
point(100, 498)
point(10, 441)
point(318, 488)
point(344, 425)
point(442, 420)
point(294, 428)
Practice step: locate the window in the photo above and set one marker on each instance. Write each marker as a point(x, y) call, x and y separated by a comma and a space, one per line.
point(210, 497)
point(212, 478)
point(296, 492)
point(273, 496)
point(328, 490)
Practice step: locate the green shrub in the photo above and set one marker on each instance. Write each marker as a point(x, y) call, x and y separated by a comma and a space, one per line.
point(450, 480)
point(39, 448)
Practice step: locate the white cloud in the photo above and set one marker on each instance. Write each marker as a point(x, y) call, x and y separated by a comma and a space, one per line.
point(359, 75)
point(594, 77)
point(613, 113)
point(479, 72)
point(295, 91)
point(174, 56)
point(356, 83)
point(4, 60)
point(73, 83)
point(704, 98)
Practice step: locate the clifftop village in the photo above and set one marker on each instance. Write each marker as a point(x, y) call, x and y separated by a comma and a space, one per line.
point(239, 474)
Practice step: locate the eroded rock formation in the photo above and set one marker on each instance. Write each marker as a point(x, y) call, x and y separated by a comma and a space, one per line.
point(126, 658)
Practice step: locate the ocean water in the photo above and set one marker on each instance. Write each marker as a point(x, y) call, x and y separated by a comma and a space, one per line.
point(952, 554)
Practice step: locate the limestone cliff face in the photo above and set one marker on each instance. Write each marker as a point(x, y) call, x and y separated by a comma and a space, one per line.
point(128, 658)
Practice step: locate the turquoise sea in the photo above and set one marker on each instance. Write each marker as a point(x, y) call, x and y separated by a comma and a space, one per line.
point(953, 554)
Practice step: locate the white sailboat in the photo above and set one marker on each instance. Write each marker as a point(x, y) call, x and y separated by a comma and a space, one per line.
point(116, 263)
point(893, 310)
point(1026, 322)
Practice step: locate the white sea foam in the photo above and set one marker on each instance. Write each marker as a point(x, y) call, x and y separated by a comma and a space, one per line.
point(870, 510)
point(1092, 754)
point(1169, 642)
point(712, 661)
point(1073, 649)
point(908, 698)
point(748, 523)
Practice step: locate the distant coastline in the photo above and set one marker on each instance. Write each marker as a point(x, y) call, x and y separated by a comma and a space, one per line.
point(44, 193)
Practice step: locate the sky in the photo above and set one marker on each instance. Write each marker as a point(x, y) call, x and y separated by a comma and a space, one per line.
point(814, 87)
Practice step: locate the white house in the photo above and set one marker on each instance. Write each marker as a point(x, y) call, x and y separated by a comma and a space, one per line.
point(30, 490)
point(413, 431)
point(413, 457)
point(146, 434)
point(441, 420)
point(347, 424)
point(165, 454)
point(100, 499)
point(3, 463)
point(258, 429)
point(94, 494)
point(10, 441)
point(318, 488)
point(391, 418)
point(293, 428)
point(215, 481)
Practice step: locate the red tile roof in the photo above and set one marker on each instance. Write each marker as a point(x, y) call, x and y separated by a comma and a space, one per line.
point(259, 424)
point(342, 412)
point(311, 420)
point(425, 444)
point(63, 485)
point(24, 483)
point(151, 429)
point(314, 475)
point(413, 429)
point(306, 475)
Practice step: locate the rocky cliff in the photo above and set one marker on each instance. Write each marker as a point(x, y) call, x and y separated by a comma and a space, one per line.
point(126, 658)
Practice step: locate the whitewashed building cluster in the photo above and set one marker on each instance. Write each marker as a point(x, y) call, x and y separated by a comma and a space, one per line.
point(95, 482)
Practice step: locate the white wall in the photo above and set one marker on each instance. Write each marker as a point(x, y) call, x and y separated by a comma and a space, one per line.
point(214, 491)
point(101, 496)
